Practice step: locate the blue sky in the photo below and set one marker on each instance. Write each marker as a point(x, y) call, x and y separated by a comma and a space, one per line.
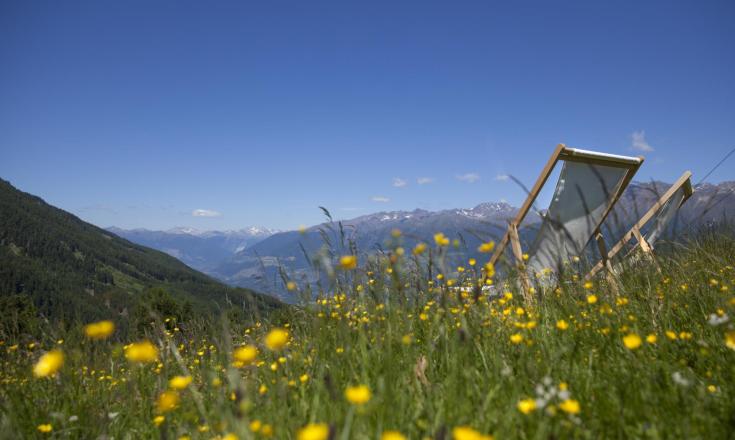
point(141, 114)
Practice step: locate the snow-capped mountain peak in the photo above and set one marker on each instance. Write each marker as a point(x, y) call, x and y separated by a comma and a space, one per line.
point(250, 231)
point(184, 230)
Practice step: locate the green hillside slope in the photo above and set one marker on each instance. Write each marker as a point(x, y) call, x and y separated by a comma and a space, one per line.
point(71, 269)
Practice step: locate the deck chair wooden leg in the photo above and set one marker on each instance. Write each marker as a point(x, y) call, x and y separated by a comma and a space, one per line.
point(609, 272)
point(515, 244)
point(646, 248)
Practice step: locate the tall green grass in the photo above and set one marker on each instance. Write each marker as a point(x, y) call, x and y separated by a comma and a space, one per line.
point(433, 357)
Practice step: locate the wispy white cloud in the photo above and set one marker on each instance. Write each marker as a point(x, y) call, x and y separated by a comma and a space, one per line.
point(639, 142)
point(205, 213)
point(502, 177)
point(399, 183)
point(101, 207)
point(380, 199)
point(469, 177)
point(425, 180)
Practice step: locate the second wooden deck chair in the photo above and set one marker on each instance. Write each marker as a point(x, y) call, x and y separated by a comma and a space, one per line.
point(589, 185)
point(661, 213)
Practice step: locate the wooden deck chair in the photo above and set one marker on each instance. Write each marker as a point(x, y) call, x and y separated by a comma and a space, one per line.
point(661, 213)
point(589, 185)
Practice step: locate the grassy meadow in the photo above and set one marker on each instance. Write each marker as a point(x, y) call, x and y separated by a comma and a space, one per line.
point(406, 345)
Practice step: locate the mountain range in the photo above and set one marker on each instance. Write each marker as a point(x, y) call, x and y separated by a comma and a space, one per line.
point(257, 264)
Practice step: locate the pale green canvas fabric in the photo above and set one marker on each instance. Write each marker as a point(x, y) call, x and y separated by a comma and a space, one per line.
point(663, 217)
point(582, 195)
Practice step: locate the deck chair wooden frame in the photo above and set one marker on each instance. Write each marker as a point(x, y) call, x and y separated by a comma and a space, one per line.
point(684, 182)
point(562, 153)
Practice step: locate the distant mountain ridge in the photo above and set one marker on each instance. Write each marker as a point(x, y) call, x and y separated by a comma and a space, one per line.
point(710, 203)
point(201, 250)
point(259, 265)
point(249, 231)
point(484, 211)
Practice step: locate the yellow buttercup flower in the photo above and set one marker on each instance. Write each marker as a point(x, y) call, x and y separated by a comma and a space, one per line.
point(392, 435)
point(142, 352)
point(562, 324)
point(651, 339)
point(276, 339)
point(358, 395)
point(45, 428)
point(255, 425)
point(730, 339)
point(99, 330)
point(245, 355)
point(419, 249)
point(179, 382)
point(570, 406)
point(486, 247)
point(632, 341)
point(49, 364)
point(467, 433)
point(313, 431)
point(266, 430)
point(291, 286)
point(516, 338)
point(348, 262)
point(167, 401)
point(526, 406)
point(440, 239)
point(489, 270)
point(158, 420)
point(591, 299)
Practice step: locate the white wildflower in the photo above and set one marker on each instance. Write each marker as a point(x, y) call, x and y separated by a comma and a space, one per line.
point(679, 379)
point(715, 319)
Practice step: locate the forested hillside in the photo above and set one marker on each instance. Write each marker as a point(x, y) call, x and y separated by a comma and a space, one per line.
point(61, 266)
